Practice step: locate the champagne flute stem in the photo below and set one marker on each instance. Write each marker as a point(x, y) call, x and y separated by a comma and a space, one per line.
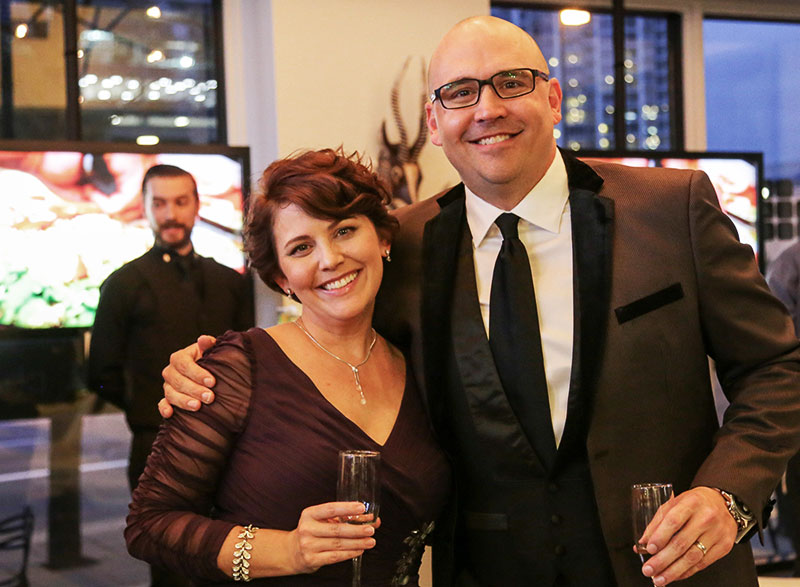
point(642, 558)
point(357, 571)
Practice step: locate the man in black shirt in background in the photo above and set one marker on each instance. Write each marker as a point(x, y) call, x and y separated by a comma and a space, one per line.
point(155, 304)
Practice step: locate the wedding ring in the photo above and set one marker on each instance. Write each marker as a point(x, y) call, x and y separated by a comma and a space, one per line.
point(701, 546)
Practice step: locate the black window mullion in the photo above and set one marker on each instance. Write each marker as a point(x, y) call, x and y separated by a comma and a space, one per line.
point(675, 37)
point(7, 81)
point(620, 99)
point(221, 108)
point(73, 113)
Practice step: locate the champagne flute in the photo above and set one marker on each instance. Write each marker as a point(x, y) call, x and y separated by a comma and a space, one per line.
point(646, 498)
point(358, 480)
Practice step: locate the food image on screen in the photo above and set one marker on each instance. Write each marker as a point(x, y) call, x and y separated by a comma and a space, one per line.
point(69, 218)
point(736, 184)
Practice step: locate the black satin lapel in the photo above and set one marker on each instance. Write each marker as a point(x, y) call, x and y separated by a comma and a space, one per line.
point(492, 416)
point(592, 225)
point(439, 248)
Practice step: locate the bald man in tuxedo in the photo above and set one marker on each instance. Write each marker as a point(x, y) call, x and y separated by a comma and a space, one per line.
point(637, 279)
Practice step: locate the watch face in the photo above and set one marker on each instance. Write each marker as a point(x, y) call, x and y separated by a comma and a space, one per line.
point(739, 512)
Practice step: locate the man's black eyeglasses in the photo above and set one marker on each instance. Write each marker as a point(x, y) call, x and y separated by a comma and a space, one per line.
point(466, 92)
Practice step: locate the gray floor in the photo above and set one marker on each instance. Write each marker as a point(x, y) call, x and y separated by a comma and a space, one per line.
point(109, 563)
point(88, 548)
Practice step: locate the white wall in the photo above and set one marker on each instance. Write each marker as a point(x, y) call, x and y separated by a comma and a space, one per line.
point(311, 74)
point(355, 48)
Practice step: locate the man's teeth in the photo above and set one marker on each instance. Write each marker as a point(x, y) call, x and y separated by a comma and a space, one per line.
point(494, 139)
point(340, 282)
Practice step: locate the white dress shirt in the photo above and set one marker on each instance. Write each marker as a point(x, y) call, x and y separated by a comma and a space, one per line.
point(546, 232)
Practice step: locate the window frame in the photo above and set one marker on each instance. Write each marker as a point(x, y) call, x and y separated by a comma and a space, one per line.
point(675, 52)
point(72, 112)
point(692, 13)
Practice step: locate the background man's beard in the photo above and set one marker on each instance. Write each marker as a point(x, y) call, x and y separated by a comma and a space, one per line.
point(187, 236)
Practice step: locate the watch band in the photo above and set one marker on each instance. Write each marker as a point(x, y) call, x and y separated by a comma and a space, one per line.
point(744, 518)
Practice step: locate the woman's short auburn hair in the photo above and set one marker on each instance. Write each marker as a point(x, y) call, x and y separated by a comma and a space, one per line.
point(325, 184)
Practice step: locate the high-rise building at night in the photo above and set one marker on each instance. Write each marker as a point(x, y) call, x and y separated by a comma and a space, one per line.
point(582, 58)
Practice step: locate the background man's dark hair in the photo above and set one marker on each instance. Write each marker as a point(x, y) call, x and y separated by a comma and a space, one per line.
point(167, 171)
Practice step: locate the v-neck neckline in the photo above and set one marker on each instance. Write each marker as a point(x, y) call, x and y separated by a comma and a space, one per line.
point(326, 401)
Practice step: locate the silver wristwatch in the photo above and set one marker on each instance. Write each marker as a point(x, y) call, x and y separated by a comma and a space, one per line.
point(744, 518)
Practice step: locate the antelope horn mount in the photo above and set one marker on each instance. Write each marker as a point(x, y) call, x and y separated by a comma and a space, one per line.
point(398, 161)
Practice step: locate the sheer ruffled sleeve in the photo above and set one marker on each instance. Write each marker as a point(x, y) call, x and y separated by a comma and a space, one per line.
point(169, 523)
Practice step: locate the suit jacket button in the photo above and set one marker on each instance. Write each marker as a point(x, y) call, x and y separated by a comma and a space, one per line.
point(560, 549)
point(555, 519)
point(552, 487)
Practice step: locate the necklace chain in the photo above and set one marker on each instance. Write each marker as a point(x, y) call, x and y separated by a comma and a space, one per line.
point(354, 368)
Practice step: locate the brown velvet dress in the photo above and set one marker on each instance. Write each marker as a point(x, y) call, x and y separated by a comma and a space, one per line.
point(265, 450)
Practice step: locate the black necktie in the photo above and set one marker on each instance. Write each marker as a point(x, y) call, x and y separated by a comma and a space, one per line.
point(189, 272)
point(515, 341)
point(184, 263)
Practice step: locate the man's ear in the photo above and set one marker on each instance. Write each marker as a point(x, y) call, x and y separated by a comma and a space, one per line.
point(554, 96)
point(433, 126)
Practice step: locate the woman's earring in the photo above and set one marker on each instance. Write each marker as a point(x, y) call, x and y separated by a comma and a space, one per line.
point(388, 256)
point(289, 292)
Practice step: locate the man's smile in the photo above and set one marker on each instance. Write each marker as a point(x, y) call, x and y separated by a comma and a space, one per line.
point(493, 139)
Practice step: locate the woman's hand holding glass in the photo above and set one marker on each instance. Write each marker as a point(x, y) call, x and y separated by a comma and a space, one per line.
point(321, 538)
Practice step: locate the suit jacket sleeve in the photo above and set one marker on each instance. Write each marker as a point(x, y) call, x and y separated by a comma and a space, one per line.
point(749, 336)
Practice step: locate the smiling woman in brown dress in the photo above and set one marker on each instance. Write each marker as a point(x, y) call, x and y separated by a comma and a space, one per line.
point(289, 397)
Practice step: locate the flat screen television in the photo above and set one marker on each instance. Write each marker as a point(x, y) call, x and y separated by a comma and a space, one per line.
point(72, 212)
point(737, 179)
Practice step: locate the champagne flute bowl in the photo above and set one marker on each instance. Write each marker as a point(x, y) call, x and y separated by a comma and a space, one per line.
point(358, 479)
point(646, 498)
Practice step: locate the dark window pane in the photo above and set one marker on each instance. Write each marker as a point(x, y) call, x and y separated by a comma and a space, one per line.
point(785, 231)
point(582, 58)
point(145, 70)
point(32, 74)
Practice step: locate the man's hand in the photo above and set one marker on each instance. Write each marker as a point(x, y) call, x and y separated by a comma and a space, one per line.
point(697, 515)
point(185, 383)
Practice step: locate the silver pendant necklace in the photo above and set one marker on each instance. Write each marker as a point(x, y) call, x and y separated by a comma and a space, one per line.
point(354, 368)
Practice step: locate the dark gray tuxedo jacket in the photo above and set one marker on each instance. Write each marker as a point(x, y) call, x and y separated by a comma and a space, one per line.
point(661, 285)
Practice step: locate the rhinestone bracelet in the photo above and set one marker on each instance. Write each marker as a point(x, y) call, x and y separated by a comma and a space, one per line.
point(241, 554)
